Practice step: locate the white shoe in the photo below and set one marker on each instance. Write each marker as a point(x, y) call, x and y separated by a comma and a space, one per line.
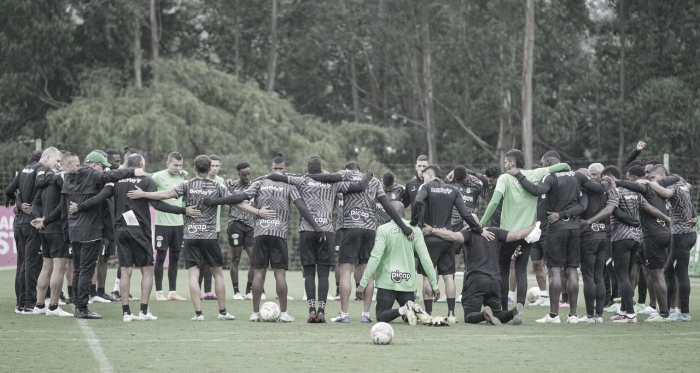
point(442, 300)
point(198, 318)
point(572, 319)
point(131, 317)
point(227, 316)
point(304, 297)
point(58, 312)
point(61, 303)
point(173, 295)
point(262, 297)
point(459, 299)
point(288, 297)
point(147, 316)
point(248, 296)
point(237, 296)
point(39, 311)
point(540, 302)
point(647, 311)
point(255, 317)
point(160, 295)
point(98, 299)
point(285, 317)
point(329, 297)
point(549, 320)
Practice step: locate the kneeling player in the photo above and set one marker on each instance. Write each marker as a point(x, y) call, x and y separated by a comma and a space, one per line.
point(393, 260)
point(483, 280)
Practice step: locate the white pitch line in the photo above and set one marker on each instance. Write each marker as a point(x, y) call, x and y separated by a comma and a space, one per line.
point(94, 343)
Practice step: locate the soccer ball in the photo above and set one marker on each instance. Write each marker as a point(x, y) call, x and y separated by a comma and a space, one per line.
point(381, 333)
point(270, 312)
point(533, 294)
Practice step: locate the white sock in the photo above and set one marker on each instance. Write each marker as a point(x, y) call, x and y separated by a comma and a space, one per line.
point(116, 285)
point(343, 314)
point(365, 313)
point(511, 295)
point(544, 293)
point(402, 310)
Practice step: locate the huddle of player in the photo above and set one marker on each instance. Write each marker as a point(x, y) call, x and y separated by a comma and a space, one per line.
point(561, 218)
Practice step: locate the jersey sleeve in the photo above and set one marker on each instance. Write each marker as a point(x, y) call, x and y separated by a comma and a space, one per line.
point(467, 235)
point(293, 193)
point(501, 184)
point(501, 234)
point(181, 189)
point(614, 199)
point(296, 181)
point(379, 190)
point(150, 186)
point(252, 190)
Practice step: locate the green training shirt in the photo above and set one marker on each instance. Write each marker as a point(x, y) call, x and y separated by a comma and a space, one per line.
point(393, 259)
point(165, 181)
point(519, 206)
point(221, 181)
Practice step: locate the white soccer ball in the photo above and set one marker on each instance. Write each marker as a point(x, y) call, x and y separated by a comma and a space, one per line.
point(382, 333)
point(533, 294)
point(269, 312)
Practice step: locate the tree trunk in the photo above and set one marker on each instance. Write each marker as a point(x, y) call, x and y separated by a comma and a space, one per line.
point(137, 51)
point(272, 60)
point(428, 85)
point(154, 41)
point(237, 38)
point(528, 60)
point(376, 57)
point(621, 119)
point(351, 61)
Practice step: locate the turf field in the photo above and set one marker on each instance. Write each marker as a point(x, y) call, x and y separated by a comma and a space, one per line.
point(174, 343)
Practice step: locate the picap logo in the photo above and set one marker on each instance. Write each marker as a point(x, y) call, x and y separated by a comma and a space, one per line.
point(265, 223)
point(194, 228)
point(357, 214)
point(397, 276)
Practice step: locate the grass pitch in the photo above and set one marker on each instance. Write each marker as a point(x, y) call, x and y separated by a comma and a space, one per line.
point(174, 343)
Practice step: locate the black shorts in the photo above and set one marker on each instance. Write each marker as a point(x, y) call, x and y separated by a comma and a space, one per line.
point(655, 250)
point(356, 245)
point(240, 234)
point(442, 254)
point(270, 251)
point(538, 249)
point(53, 246)
point(135, 248)
point(169, 237)
point(109, 248)
point(314, 252)
point(338, 237)
point(202, 252)
point(563, 248)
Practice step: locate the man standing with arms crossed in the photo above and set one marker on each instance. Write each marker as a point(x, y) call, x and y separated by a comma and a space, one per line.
point(169, 228)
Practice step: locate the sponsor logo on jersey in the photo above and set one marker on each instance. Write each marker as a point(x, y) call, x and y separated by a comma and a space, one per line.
point(598, 227)
point(272, 187)
point(469, 190)
point(395, 230)
point(630, 196)
point(397, 276)
point(201, 192)
point(194, 228)
point(318, 184)
point(356, 214)
point(322, 220)
point(265, 223)
point(441, 190)
point(130, 180)
point(27, 171)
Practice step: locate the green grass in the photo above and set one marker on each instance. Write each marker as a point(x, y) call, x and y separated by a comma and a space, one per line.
point(174, 343)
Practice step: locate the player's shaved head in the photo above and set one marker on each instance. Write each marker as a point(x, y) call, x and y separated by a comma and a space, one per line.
point(398, 206)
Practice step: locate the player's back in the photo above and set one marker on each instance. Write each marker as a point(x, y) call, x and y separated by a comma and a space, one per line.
point(564, 193)
point(439, 202)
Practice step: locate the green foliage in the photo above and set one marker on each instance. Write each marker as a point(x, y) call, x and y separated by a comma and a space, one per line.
point(198, 109)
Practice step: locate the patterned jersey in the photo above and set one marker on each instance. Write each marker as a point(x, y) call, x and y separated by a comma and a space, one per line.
point(630, 202)
point(194, 191)
point(396, 193)
point(681, 208)
point(319, 198)
point(359, 208)
point(278, 196)
point(240, 215)
point(470, 190)
point(339, 211)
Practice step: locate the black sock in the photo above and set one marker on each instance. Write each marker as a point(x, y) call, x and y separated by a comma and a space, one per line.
point(572, 315)
point(337, 288)
point(428, 306)
point(565, 298)
point(40, 305)
point(248, 287)
point(198, 313)
point(450, 306)
point(653, 306)
point(235, 288)
point(93, 290)
point(70, 291)
point(53, 307)
point(100, 291)
point(126, 310)
point(223, 312)
point(553, 315)
point(144, 308)
point(357, 285)
point(664, 314)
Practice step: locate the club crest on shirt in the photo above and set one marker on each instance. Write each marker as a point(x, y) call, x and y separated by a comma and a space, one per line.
point(397, 276)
